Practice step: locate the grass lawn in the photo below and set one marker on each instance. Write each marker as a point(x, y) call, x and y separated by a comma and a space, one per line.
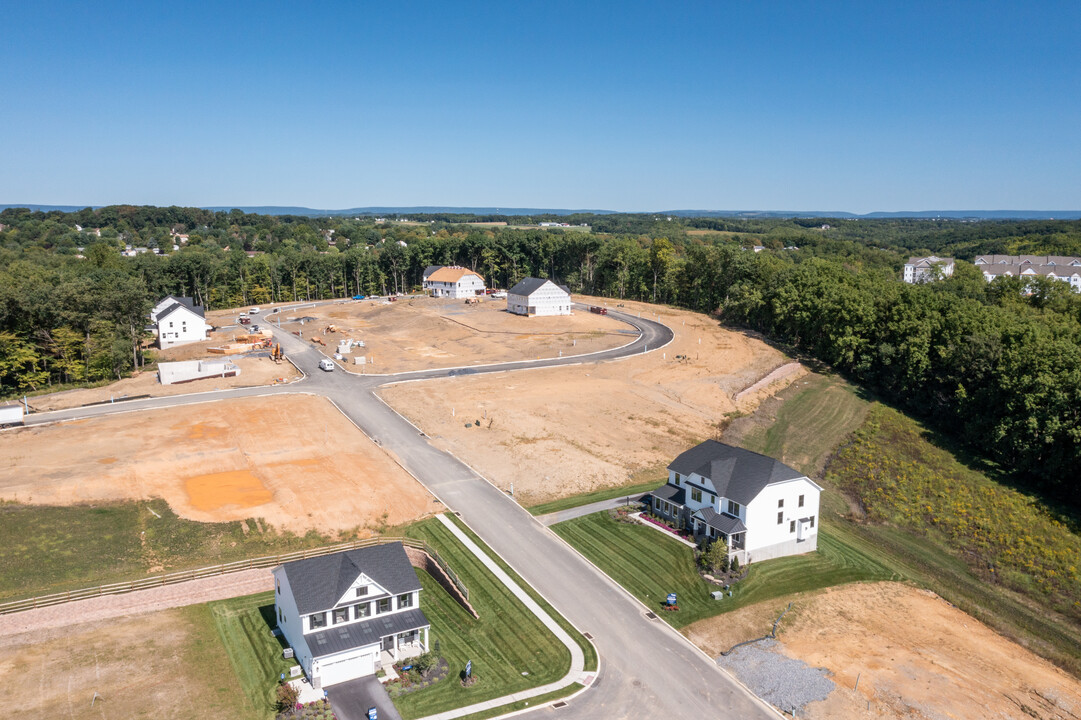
point(244, 627)
point(817, 414)
point(588, 651)
point(595, 496)
point(46, 549)
point(623, 551)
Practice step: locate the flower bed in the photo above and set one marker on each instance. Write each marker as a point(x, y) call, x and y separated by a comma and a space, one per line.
point(318, 710)
point(411, 680)
point(659, 523)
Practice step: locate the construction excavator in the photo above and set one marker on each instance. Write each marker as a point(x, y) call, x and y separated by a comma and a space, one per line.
point(276, 354)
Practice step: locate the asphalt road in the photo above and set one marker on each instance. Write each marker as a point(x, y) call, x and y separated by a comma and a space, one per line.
point(646, 668)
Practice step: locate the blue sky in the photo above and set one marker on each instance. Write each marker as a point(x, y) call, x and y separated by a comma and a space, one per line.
point(632, 106)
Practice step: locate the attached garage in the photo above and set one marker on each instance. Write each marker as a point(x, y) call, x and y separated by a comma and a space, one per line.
point(347, 666)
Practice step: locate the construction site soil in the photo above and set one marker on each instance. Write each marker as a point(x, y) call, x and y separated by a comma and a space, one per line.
point(421, 333)
point(292, 460)
point(914, 655)
point(562, 431)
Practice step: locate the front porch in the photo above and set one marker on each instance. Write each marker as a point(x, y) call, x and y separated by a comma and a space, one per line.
point(402, 646)
point(709, 526)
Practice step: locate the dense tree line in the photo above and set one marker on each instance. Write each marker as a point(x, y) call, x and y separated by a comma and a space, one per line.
point(998, 366)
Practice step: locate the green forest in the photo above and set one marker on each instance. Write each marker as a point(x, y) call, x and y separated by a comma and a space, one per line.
point(995, 366)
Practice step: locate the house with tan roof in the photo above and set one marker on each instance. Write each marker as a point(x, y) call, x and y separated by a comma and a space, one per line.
point(452, 281)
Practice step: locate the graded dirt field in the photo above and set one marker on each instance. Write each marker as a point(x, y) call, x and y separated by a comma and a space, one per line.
point(568, 430)
point(160, 665)
point(420, 333)
point(293, 461)
point(915, 655)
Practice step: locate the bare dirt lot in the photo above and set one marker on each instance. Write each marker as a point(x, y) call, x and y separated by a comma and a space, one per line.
point(916, 656)
point(149, 666)
point(562, 431)
point(423, 333)
point(293, 461)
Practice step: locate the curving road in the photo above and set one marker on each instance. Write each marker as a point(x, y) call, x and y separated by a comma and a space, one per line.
point(647, 669)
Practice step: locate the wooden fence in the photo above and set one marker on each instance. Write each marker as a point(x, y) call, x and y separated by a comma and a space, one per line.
point(268, 561)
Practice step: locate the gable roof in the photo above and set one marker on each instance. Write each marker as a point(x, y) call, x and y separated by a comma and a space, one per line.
point(927, 262)
point(736, 473)
point(318, 583)
point(530, 285)
point(451, 274)
point(197, 310)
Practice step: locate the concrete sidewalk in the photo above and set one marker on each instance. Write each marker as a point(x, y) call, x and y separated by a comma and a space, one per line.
point(583, 510)
point(576, 674)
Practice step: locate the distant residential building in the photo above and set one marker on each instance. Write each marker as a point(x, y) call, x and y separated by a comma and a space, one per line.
point(534, 296)
point(1054, 267)
point(452, 281)
point(926, 269)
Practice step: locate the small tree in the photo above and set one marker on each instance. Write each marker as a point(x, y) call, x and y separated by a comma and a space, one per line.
point(423, 663)
point(735, 564)
point(287, 697)
point(715, 557)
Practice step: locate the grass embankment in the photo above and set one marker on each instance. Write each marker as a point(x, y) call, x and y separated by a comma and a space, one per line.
point(995, 552)
point(622, 550)
point(815, 416)
point(505, 642)
point(46, 549)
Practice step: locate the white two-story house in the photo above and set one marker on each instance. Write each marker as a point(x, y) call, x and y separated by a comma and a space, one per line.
point(452, 281)
point(178, 320)
point(759, 506)
point(926, 269)
point(347, 614)
point(534, 296)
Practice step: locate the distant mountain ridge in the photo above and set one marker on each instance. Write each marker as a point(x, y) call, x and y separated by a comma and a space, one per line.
point(431, 209)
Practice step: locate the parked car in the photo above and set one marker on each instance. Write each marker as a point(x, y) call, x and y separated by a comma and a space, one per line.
point(244, 320)
point(253, 311)
point(358, 297)
point(326, 364)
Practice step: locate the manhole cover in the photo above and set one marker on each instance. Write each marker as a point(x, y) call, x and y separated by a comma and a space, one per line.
point(587, 636)
point(559, 704)
point(651, 616)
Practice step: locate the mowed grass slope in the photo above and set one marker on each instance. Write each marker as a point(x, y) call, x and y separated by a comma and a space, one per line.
point(650, 566)
point(817, 414)
point(46, 549)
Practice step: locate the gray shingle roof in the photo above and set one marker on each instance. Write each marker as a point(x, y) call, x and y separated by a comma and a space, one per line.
point(736, 473)
point(670, 493)
point(530, 285)
point(319, 582)
point(197, 309)
point(353, 635)
point(429, 270)
point(720, 522)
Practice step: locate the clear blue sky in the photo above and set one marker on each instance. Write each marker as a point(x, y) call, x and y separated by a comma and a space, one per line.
point(626, 106)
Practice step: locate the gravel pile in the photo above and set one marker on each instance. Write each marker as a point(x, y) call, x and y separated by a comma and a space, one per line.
point(785, 683)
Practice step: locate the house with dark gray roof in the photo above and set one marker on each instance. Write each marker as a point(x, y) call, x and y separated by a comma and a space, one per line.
point(347, 614)
point(535, 296)
point(759, 506)
point(178, 320)
point(927, 269)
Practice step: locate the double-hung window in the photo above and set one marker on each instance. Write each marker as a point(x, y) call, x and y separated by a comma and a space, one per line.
point(405, 601)
point(362, 610)
point(696, 495)
point(341, 615)
point(317, 620)
point(733, 508)
point(384, 606)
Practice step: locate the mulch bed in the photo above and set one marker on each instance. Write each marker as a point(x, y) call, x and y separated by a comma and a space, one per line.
point(318, 710)
point(412, 680)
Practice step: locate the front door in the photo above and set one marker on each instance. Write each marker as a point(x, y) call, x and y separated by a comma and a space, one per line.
point(388, 643)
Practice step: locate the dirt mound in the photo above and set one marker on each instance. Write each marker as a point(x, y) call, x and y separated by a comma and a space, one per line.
point(915, 656)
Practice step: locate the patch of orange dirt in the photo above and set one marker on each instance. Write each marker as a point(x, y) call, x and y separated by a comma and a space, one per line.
point(916, 656)
point(562, 431)
point(292, 460)
point(233, 487)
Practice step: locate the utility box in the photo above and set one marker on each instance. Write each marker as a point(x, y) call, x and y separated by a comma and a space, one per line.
point(287, 653)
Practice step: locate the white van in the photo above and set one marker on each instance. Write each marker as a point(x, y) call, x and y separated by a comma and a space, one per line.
point(326, 364)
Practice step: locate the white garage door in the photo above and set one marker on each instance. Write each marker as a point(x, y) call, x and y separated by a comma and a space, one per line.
point(338, 671)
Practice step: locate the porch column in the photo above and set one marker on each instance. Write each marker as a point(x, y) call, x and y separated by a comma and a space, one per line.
point(425, 641)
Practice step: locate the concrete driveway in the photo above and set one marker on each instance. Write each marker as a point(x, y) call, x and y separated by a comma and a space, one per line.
point(352, 699)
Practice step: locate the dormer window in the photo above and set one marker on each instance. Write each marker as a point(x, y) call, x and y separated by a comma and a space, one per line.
point(341, 615)
point(318, 620)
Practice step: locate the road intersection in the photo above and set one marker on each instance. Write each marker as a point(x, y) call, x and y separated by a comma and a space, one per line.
point(647, 668)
